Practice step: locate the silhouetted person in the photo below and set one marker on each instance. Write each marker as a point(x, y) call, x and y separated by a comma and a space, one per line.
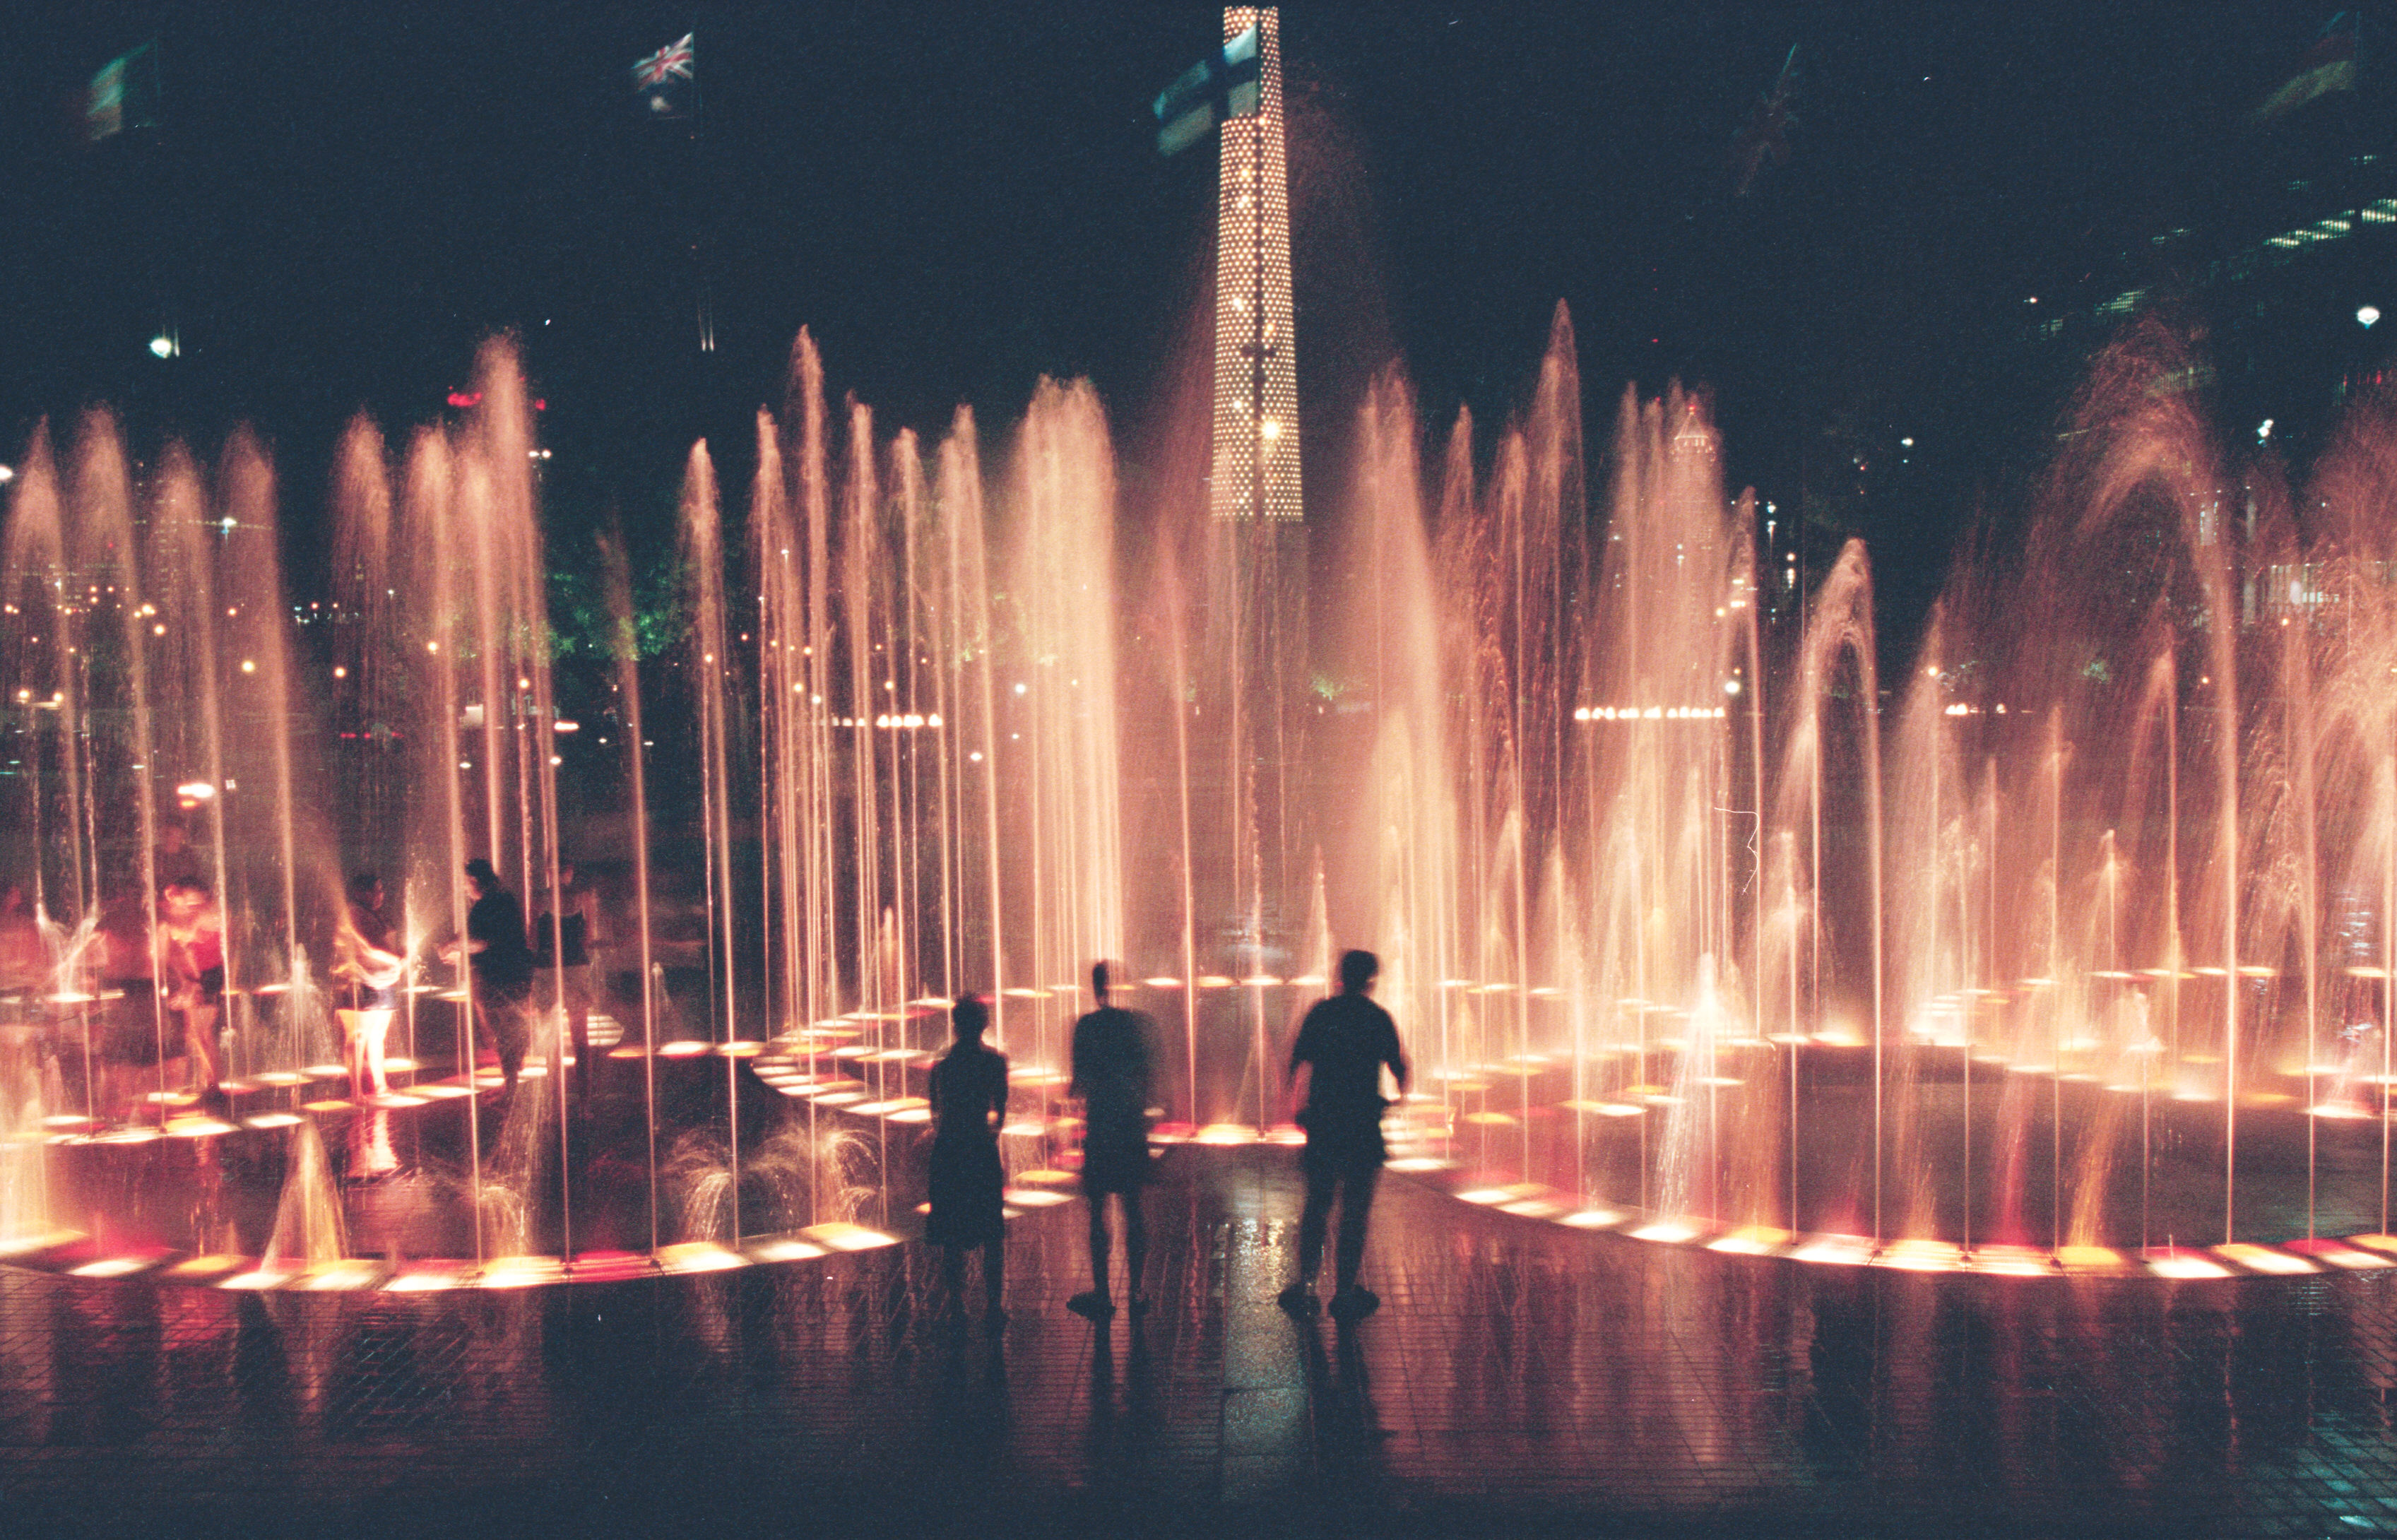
point(122, 963)
point(502, 965)
point(24, 956)
point(1113, 1077)
point(1343, 1044)
point(191, 927)
point(173, 860)
point(968, 1096)
point(564, 941)
point(368, 959)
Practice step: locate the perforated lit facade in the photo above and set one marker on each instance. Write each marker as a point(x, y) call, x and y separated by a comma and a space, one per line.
point(1257, 377)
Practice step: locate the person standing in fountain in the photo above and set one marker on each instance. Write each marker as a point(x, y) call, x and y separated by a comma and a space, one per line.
point(1343, 1044)
point(1113, 1078)
point(24, 956)
point(502, 963)
point(192, 927)
point(968, 1096)
point(172, 860)
point(123, 965)
point(368, 957)
point(564, 941)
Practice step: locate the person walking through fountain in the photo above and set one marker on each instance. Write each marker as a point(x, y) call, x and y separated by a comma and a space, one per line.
point(172, 860)
point(968, 1097)
point(1114, 1078)
point(1343, 1044)
point(502, 963)
point(368, 957)
point(24, 955)
point(192, 927)
point(121, 963)
point(564, 941)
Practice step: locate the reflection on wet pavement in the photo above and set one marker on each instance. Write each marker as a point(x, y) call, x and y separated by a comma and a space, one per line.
point(1518, 1377)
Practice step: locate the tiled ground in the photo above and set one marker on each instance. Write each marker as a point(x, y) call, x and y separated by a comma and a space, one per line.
point(1519, 1378)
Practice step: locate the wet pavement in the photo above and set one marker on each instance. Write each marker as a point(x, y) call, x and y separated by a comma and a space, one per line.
point(1520, 1378)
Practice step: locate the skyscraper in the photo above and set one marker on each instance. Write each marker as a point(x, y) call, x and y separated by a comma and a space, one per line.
point(1257, 377)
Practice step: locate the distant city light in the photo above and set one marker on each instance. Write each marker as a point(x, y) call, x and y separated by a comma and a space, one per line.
point(2263, 430)
point(2367, 316)
point(1906, 443)
point(164, 347)
point(8, 475)
point(1649, 714)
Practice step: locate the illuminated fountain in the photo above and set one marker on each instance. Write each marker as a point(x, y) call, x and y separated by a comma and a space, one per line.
point(2064, 946)
point(2070, 944)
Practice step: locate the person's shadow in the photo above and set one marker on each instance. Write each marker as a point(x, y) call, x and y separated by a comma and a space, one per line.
point(1121, 1441)
point(957, 1359)
point(1349, 1469)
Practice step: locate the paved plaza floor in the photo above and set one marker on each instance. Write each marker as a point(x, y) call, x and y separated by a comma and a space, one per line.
point(1520, 1378)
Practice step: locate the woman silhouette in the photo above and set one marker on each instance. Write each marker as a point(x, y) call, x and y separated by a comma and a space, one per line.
point(969, 1096)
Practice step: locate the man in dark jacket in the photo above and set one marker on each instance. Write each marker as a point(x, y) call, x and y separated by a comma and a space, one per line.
point(1113, 1078)
point(1343, 1044)
point(502, 962)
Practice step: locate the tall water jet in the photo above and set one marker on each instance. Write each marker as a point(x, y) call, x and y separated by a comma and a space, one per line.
point(308, 1216)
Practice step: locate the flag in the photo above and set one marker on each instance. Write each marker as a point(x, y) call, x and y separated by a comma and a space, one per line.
point(1220, 85)
point(667, 81)
point(2329, 66)
point(1765, 140)
point(124, 94)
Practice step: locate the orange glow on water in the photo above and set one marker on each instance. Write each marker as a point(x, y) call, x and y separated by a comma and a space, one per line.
point(2182, 1264)
point(115, 1266)
point(848, 1237)
point(699, 1256)
point(1751, 1240)
point(2264, 1259)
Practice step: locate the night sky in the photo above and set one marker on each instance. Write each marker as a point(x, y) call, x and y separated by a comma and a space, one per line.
point(342, 199)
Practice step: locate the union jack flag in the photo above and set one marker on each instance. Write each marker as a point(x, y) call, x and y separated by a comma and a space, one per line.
point(667, 80)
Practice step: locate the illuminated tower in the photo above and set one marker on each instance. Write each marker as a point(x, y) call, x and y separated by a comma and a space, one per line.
point(1258, 588)
point(1257, 377)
